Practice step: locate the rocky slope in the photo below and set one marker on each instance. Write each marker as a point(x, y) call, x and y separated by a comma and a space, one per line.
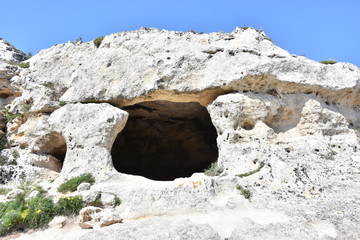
point(153, 105)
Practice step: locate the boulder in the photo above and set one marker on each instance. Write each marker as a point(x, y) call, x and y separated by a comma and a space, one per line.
point(58, 222)
point(94, 217)
point(107, 199)
point(14, 193)
point(34, 193)
point(83, 186)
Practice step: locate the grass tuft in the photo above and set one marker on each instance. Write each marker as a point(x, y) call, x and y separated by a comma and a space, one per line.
point(35, 213)
point(69, 205)
point(24, 65)
point(72, 184)
point(328, 62)
point(97, 42)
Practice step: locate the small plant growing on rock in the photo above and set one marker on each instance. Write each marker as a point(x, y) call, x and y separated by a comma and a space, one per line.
point(10, 116)
point(330, 61)
point(117, 201)
point(97, 41)
point(72, 184)
point(28, 55)
point(252, 172)
point(36, 212)
point(214, 170)
point(39, 211)
point(243, 191)
point(69, 205)
point(24, 65)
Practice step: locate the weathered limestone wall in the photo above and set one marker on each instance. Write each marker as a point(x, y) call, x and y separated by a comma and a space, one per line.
point(287, 129)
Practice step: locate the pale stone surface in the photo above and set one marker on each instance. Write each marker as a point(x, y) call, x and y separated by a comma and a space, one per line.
point(14, 193)
point(107, 199)
point(249, 230)
point(286, 131)
point(89, 196)
point(94, 217)
point(34, 193)
point(87, 137)
point(130, 67)
point(83, 186)
point(58, 222)
point(154, 229)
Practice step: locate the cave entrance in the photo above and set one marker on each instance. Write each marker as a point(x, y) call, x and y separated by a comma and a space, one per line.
point(164, 140)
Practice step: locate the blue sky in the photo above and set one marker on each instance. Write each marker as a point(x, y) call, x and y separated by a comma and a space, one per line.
point(318, 29)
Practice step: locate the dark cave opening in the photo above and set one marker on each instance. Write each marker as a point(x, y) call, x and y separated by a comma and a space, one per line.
point(164, 140)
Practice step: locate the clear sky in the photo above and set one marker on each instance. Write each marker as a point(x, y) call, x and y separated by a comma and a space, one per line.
point(318, 29)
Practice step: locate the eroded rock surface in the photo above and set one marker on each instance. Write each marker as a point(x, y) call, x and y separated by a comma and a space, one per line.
point(155, 229)
point(283, 131)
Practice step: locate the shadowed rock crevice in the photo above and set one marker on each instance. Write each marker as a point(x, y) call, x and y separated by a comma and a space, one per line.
point(51, 149)
point(164, 140)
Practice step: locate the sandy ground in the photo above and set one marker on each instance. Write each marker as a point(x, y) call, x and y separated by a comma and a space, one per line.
point(224, 222)
point(69, 231)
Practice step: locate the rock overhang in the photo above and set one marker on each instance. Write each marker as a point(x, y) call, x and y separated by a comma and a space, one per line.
point(150, 62)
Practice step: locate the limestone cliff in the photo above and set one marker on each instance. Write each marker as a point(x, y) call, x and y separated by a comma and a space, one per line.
point(147, 111)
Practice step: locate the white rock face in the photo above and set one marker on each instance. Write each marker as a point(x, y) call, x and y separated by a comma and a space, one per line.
point(88, 137)
point(287, 133)
point(133, 66)
point(83, 187)
point(9, 54)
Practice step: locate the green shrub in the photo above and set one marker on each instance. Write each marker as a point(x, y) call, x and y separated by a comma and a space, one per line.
point(24, 65)
point(40, 211)
point(214, 170)
point(69, 205)
point(10, 214)
point(17, 204)
point(97, 41)
point(10, 221)
point(72, 184)
point(62, 103)
point(35, 213)
point(328, 62)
